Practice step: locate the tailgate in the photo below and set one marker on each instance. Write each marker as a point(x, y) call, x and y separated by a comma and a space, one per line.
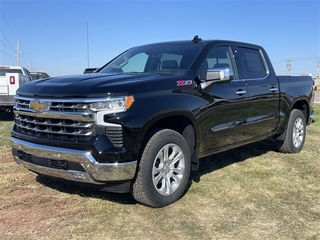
point(3, 85)
point(9, 84)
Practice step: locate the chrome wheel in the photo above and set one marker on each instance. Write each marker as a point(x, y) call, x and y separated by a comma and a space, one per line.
point(298, 132)
point(168, 169)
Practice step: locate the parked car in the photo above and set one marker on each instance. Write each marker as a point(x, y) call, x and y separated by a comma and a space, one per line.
point(39, 75)
point(11, 77)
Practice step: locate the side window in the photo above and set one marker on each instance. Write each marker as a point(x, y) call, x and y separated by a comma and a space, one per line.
point(250, 63)
point(218, 57)
point(170, 61)
point(4, 71)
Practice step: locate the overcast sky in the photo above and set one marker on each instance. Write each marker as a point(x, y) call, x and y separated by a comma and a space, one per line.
point(64, 37)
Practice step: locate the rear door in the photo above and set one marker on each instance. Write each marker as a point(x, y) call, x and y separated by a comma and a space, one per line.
point(262, 91)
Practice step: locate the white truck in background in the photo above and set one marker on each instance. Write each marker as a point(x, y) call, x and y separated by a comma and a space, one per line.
point(11, 78)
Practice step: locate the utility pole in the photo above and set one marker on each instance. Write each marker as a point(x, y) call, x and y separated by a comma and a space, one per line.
point(318, 68)
point(88, 43)
point(31, 68)
point(288, 67)
point(18, 53)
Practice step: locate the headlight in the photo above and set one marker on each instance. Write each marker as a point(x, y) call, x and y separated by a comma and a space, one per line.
point(113, 104)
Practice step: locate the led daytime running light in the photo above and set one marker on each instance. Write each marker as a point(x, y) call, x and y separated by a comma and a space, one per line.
point(117, 104)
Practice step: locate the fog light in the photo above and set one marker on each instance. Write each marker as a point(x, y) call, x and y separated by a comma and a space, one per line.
point(79, 176)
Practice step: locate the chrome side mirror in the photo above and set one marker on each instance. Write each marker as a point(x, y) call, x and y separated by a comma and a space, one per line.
point(220, 74)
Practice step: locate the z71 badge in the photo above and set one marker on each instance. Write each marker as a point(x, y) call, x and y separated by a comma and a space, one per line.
point(184, 83)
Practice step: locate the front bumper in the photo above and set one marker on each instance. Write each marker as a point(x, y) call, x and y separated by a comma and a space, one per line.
point(69, 164)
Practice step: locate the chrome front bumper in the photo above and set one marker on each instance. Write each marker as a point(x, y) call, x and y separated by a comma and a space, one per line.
point(93, 171)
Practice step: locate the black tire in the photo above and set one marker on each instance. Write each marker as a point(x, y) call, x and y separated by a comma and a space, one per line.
point(295, 133)
point(163, 171)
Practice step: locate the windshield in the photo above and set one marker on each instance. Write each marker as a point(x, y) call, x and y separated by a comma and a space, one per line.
point(170, 58)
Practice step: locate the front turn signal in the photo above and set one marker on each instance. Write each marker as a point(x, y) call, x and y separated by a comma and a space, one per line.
point(128, 102)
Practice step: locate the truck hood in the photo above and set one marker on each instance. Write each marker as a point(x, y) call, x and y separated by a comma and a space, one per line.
point(85, 85)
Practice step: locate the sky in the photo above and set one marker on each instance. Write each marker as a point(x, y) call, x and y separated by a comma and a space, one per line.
point(63, 37)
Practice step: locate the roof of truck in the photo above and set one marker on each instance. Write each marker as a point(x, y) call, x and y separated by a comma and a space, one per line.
point(11, 67)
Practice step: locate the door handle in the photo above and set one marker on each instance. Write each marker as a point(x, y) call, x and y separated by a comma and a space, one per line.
point(241, 92)
point(273, 89)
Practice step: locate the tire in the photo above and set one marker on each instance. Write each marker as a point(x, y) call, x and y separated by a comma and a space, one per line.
point(163, 171)
point(295, 133)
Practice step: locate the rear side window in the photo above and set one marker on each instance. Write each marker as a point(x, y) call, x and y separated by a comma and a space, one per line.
point(250, 63)
point(4, 71)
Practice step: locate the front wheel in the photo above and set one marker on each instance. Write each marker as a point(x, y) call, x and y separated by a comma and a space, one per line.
point(295, 133)
point(163, 171)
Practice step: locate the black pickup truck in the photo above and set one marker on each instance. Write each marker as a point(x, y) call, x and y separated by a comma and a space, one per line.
point(143, 121)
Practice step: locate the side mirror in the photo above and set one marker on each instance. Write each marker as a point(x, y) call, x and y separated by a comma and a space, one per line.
point(220, 74)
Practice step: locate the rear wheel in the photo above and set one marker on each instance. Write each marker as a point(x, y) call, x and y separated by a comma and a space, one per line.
point(295, 133)
point(164, 170)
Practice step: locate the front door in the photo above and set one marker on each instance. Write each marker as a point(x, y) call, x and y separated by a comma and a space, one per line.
point(224, 107)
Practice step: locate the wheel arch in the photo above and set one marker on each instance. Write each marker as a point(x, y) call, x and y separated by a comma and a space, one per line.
point(182, 123)
point(301, 105)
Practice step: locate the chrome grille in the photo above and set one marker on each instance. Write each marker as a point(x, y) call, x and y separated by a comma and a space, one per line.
point(22, 103)
point(69, 107)
point(57, 106)
point(63, 129)
point(69, 120)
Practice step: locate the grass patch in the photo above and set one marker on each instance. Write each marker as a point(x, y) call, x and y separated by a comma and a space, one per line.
point(252, 192)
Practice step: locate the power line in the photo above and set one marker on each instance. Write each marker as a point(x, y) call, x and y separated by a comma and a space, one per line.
point(6, 45)
point(6, 54)
point(8, 25)
point(7, 39)
point(17, 49)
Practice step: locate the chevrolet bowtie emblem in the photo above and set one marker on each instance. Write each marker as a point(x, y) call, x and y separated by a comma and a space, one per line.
point(37, 106)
